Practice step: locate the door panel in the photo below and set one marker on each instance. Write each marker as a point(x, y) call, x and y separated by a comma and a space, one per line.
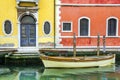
point(32, 35)
point(28, 35)
point(24, 36)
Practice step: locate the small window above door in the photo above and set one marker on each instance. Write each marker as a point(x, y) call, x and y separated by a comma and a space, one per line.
point(28, 20)
point(27, 1)
point(30, 3)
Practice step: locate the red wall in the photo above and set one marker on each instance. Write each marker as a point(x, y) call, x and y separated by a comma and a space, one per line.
point(91, 1)
point(90, 42)
point(98, 17)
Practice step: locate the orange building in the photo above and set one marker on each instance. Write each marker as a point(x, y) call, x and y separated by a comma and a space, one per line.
point(87, 19)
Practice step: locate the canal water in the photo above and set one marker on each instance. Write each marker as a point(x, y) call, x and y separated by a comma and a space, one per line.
point(37, 72)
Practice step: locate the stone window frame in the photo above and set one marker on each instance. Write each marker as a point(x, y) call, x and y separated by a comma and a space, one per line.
point(117, 21)
point(70, 26)
point(89, 22)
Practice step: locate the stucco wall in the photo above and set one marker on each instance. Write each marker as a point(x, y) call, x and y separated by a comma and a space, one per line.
point(8, 12)
point(46, 13)
point(98, 16)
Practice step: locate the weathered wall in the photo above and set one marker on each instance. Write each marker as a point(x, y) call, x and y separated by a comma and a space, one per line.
point(91, 1)
point(8, 12)
point(98, 22)
point(46, 13)
point(72, 11)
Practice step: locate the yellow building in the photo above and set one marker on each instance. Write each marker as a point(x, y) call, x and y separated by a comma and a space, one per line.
point(26, 24)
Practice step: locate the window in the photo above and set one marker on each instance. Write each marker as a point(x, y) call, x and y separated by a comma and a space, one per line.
point(27, 1)
point(47, 27)
point(112, 27)
point(28, 20)
point(84, 27)
point(67, 26)
point(7, 27)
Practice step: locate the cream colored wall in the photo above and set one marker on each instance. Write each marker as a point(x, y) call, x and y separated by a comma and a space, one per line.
point(8, 12)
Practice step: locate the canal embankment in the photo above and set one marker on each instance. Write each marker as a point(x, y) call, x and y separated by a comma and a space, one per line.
point(33, 58)
point(23, 59)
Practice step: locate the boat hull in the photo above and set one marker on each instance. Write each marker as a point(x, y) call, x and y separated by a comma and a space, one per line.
point(77, 64)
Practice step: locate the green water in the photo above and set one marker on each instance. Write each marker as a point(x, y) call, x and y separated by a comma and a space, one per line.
point(37, 72)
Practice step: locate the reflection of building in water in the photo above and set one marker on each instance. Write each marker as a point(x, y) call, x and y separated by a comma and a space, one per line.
point(114, 75)
point(28, 75)
point(34, 24)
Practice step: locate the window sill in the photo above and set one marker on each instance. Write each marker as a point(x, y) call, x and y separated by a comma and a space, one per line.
point(83, 36)
point(112, 36)
point(67, 31)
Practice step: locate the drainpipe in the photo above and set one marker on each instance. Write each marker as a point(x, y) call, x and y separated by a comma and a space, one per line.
point(54, 24)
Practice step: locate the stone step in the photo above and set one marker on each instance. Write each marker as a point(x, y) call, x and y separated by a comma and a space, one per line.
point(25, 54)
point(22, 55)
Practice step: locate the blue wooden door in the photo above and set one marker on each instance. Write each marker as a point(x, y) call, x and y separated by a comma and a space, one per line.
point(28, 35)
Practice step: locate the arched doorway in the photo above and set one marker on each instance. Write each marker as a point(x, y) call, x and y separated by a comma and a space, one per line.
point(27, 31)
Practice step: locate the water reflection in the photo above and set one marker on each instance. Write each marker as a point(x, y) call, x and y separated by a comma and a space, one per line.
point(77, 74)
point(28, 75)
point(38, 73)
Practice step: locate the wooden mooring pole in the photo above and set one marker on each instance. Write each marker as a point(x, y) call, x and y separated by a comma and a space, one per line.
point(74, 45)
point(98, 45)
point(104, 44)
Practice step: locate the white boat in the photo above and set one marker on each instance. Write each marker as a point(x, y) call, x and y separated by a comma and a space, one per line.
point(77, 62)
